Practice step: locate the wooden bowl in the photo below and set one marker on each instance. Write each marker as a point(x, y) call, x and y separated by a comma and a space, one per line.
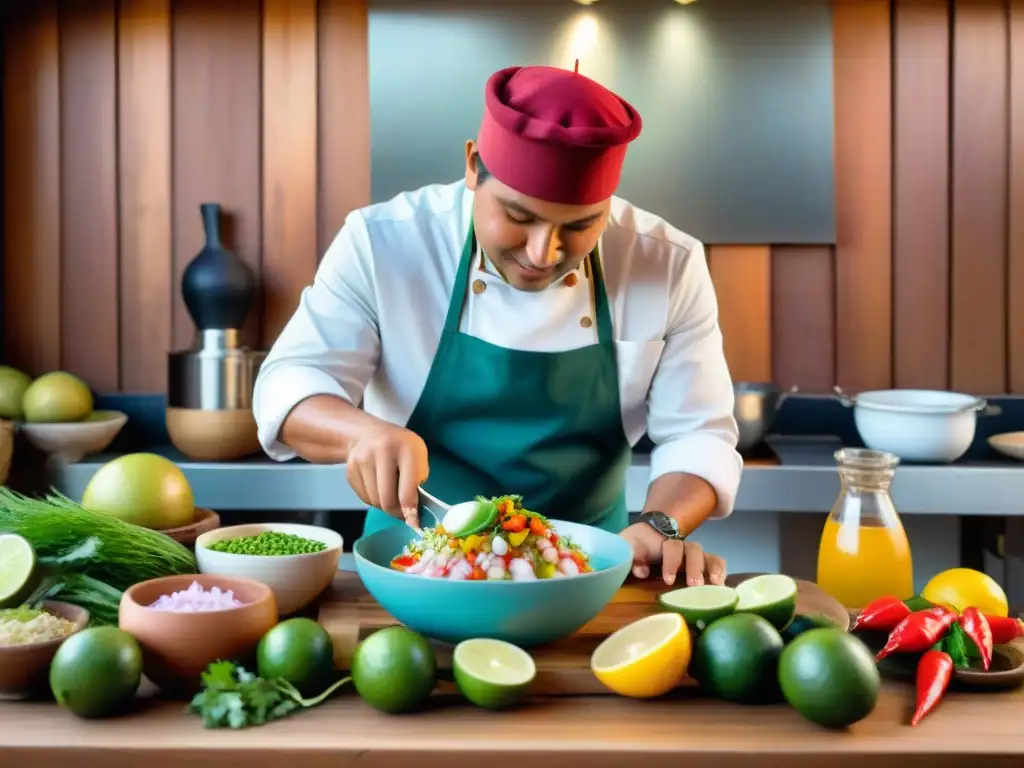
point(24, 669)
point(206, 520)
point(1007, 670)
point(6, 448)
point(213, 435)
point(177, 646)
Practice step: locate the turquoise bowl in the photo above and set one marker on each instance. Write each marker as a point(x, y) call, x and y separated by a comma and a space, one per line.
point(526, 613)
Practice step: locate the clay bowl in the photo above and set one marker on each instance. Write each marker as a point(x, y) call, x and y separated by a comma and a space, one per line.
point(206, 520)
point(24, 669)
point(178, 646)
point(811, 600)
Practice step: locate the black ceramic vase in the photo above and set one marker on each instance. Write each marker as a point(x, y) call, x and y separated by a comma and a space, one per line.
point(218, 287)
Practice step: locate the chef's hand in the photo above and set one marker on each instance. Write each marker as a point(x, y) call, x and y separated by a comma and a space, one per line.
point(650, 547)
point(385, 465)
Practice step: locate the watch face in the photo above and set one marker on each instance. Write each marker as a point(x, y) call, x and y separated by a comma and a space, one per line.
point(664, 524)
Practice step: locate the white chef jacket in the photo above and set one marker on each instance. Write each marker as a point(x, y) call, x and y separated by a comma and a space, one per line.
point(368, 327)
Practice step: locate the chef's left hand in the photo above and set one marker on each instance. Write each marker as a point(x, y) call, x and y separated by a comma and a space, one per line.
point(650, 547)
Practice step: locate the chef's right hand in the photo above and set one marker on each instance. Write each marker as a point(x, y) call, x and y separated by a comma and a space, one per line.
point(385, 466)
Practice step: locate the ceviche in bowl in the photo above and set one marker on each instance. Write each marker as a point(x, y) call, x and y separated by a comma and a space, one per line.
point(421, 584)
point(494, 540)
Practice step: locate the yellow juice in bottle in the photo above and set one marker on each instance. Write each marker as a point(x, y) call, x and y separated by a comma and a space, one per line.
point(859, 563)
point(864, 553)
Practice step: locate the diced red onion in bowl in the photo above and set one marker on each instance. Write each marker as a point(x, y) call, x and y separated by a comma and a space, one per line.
point(196, 599)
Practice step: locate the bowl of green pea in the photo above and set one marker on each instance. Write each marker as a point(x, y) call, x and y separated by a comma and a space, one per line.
point(296, 561)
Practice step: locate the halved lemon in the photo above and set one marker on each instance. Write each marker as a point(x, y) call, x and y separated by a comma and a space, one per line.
point(644, 659)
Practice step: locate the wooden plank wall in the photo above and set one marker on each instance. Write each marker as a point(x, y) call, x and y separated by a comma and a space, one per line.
point(925, 284)
point(121, 117)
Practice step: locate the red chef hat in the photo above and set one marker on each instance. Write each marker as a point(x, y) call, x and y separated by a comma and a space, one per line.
point(554, 134)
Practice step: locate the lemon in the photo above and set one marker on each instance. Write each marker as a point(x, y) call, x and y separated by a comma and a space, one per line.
point(966, 588)
point(143, 489)
point(57, 397)
point(644, 659)
point(492, 673)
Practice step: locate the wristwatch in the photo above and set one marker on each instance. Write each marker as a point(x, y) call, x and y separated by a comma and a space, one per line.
point(662, 523)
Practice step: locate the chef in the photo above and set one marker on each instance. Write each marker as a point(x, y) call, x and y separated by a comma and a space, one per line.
point(518, 332)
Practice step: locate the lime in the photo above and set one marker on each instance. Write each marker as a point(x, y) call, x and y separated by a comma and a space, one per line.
point(492, 673)
point(394, 670)
point(13, 384)
point(644, 659)
point(96, 672)
point(17, 568)
point(736, 659)
point(57, 397)
point(772, 596)
point(144, 489)
point(700, 605)
point(803, 623)
point(300, 651)
point(829, 677)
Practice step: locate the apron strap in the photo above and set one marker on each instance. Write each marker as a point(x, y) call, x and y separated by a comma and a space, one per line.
point(458, 299)
point(602, 308)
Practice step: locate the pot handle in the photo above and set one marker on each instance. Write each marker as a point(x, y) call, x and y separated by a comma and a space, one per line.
point(847, 400)
point(984, 409)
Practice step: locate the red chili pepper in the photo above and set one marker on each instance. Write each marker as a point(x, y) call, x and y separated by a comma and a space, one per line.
point(882, 615)
point(918, 632)
point(1005, 629)
point(934, 671)
point(976, 627)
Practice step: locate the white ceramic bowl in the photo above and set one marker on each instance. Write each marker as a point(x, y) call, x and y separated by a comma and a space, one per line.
point(74, 440)
point(297, 580)
point(917, 424)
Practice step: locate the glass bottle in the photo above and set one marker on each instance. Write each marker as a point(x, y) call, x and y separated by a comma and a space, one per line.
point(864, 552)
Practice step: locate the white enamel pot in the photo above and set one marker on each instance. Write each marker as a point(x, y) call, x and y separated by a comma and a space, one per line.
point(920, 425)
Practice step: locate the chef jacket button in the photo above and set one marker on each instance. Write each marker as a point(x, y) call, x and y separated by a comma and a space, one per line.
point(586, 322)
point(571, 279)
point(479, 286)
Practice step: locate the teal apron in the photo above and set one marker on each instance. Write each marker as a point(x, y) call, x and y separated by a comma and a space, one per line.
point(543, 425)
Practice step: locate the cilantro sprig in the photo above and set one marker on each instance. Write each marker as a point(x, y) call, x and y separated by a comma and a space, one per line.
point(233, 697)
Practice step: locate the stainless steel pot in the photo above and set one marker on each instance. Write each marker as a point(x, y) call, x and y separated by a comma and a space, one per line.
point(217, 374)
point(756, 407)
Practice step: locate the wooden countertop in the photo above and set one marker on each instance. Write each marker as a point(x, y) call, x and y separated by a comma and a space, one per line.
point(595, 731)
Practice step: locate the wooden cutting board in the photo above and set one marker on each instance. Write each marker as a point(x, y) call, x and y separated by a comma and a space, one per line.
point(563, 668)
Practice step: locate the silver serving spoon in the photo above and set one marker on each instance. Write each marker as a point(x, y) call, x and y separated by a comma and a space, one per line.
point(437, 508)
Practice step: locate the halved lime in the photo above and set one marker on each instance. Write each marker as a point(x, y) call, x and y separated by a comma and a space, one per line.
point(492, 673)
point(700, 605)
point(17, 566)
point(772, 596)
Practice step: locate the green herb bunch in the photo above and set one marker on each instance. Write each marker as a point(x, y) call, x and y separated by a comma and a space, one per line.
point(233, 697)
point(89, 558)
